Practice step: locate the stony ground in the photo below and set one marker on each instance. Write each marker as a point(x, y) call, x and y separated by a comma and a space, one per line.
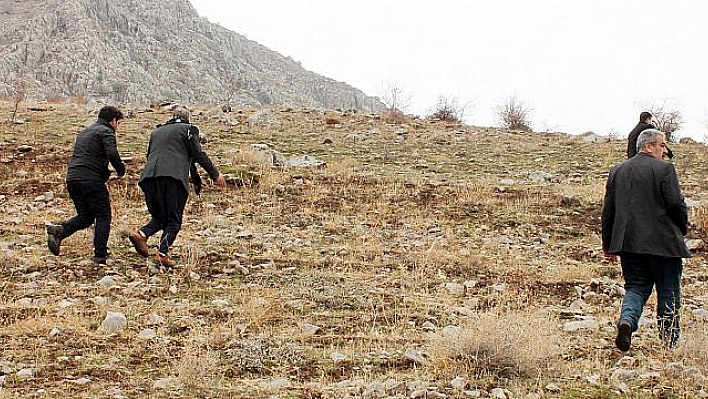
point(425, 259)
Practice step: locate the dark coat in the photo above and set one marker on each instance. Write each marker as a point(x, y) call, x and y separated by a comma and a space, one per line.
point(634, 135)
point(93, 149)
point(644, 211)
point(174, 146)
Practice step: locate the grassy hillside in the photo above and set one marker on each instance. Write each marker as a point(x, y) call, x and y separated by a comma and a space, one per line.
point(426, 259)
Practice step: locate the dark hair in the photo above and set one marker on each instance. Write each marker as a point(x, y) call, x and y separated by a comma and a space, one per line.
point(109, 112)
point(644, 115)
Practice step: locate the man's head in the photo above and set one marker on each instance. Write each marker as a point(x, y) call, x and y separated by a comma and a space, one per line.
point(652, 142)
point(111, 114)
point(645, 117)
point(181, 112)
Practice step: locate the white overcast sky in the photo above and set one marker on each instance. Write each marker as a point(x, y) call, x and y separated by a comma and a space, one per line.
point(580, 65)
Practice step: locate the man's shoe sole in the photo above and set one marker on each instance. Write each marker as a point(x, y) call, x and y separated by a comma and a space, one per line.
point(624, 336)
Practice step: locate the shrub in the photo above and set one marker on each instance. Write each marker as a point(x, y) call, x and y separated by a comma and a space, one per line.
point(514, 114)
point(448, 109)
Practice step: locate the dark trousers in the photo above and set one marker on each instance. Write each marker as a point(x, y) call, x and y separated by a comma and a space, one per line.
point(93, 205)
point(641, 274)
point(165, 198)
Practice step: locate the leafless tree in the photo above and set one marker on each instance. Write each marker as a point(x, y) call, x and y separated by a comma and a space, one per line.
point(667, 120)
point(19, 95)
point(449, 108)
point(514, 114)
point(395, 97)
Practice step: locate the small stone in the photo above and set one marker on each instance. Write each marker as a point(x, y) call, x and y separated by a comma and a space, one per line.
point(337, 357)
point(458, 383)
point(107, 282)
point(552, 388)
point(114, 322)
point(309, 329)
point(220, 303)
point(280, 383)
point(428, 326)
point(81, 381)
point(25, 374)
point(416, 357)
point(147, 334)
point(54, 333)
point(497, 393)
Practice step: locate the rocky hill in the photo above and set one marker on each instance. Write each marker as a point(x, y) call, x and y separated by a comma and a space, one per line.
point(140, 52)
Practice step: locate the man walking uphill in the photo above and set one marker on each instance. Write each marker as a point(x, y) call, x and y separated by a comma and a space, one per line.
point(644, 221)
point(173, 146)
point(644, 124)
point(86, 180)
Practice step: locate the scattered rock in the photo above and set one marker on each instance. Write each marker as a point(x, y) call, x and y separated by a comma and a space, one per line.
point(280, 383)
point(114, 323)
point(416, 357)
point(147, 334)
point(309, 329)
point(458, 383)
point(25, 374)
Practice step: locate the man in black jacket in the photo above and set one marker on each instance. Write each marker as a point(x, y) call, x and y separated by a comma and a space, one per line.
point(86, 180)
point(174, 146)
point(644, 124)
point(644, 221)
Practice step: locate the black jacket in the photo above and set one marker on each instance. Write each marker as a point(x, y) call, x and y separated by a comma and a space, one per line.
point(93, 149)
point(634, 135)
point(644, 211)
point(174, 146)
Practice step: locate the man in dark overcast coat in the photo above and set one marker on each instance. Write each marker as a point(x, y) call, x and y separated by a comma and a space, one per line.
point(644, 221)
point(174, 146)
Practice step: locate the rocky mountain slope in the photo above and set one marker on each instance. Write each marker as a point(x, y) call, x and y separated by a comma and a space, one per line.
point(140, 52)
point(424, 260)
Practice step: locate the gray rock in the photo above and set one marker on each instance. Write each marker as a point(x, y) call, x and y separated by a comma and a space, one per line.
point(416, 357)
point(25, 374)
point(304, 161)
point(700, 313)
point(695, 244)
point(455, 289)
point(309, 330)
point(497, 393)
point(107, 282)
point(280, 383)
point(113, 323)
point(586, 324)
point(458, 383)
point(220, 303)
point(147, 334)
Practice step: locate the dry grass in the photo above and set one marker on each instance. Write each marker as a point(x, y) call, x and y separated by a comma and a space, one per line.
point(507, 345)
point(412, 224)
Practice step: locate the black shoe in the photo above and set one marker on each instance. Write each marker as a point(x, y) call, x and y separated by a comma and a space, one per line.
point(55, 233)
point(624, 335)
point(99, 262)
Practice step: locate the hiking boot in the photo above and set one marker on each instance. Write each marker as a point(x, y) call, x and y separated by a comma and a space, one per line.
point(624, 335)
point(139, 242)
point(55, 233)
point(164, 260)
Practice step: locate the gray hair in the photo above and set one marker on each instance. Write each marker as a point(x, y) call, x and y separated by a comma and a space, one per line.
point(181, 112)
point(647, 136)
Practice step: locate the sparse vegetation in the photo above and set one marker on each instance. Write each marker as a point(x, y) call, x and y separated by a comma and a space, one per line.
point(449, 109)
point(666, 119)
point(514, 114)
point(318, 282)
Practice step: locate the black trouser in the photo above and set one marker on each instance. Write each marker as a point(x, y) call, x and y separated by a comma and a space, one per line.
point(93, 205)
point(165, 198)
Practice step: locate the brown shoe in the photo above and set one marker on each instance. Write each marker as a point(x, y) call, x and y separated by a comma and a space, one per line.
point(164, 260)
point(140, 243)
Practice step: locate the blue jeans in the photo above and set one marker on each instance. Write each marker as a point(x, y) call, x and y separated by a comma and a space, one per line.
point(643, 272)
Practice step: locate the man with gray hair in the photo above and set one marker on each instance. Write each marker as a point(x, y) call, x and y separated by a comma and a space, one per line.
point(174, 146)
point(644, 221)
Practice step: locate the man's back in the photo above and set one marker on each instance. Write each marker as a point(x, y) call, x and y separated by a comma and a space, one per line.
point(644, 210)
point(93, 149)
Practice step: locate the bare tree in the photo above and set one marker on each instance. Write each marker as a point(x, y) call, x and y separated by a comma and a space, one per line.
point(667, 120)
point(449, 109)
point(514, 114)
point(395, 97)
point(19, 95)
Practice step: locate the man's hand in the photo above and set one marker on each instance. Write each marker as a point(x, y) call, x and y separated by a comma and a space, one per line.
point(608, 257)
point(220, 181)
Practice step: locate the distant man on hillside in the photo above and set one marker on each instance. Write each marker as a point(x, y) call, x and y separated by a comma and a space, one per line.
point(644, 221)
point(86, 180)
point(174, 146)
point(645, 119)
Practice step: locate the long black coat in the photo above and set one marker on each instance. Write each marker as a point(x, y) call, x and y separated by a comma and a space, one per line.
point(634, 135)
point(644, 211)
point(174, 145)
